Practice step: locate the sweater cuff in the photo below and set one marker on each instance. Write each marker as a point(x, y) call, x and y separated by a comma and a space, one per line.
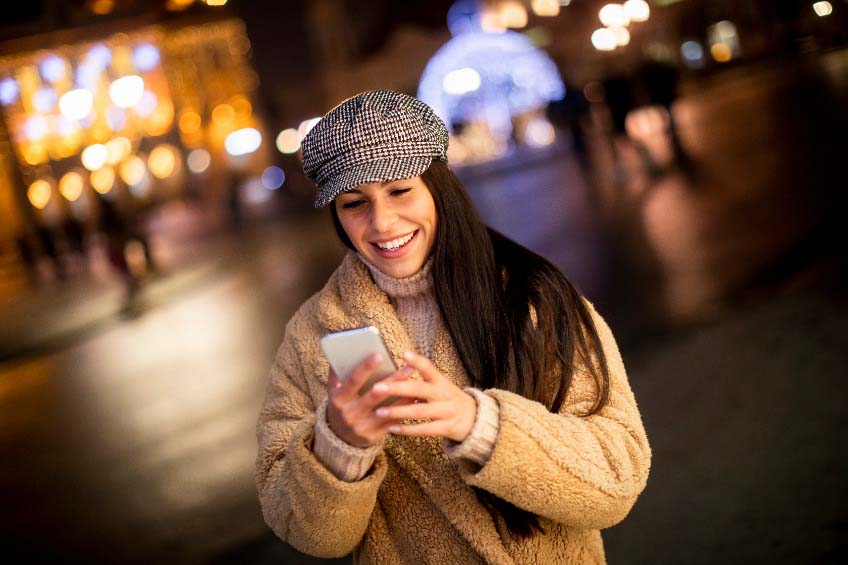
point(345, 461)
point(478, 446)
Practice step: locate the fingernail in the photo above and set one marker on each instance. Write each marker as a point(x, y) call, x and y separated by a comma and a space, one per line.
point(394, 429)
point(382, 412)
point(375, 358)
point(381, 387)
point(408, 355)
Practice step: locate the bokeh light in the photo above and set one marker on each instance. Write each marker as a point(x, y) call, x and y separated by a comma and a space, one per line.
point(147, 104)
point(71, 185)
point(53, 68)
point(127, 91)
point(823, 8)
point(603, 39)
point(39, 193)
point(132, 170)
point(162, 161)
point(306, 126)
point(622, 36)
point(198, 161)
point(145, 57)
point(614, 15)
point(76, 104)
point(44, 99)
point(8, 91)
point(273, 178)
point(288, 141)
point(103, 179)
point(243, 141)
point(637, 10)
point(117, 150)
point(461, 81)
point(189, 122)
point(94, 156)
point(223, 114)
point(35, 128)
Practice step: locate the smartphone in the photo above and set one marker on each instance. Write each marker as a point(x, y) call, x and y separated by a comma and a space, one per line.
point(345, 350)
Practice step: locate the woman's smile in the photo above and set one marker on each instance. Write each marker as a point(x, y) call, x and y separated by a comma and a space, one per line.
point(395, 247)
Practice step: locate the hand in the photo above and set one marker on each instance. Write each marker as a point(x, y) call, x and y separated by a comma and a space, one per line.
point(451, 410)
point(351, 416)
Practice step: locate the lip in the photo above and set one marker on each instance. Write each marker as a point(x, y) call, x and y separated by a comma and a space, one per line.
point(387, 239)
point(400, 251)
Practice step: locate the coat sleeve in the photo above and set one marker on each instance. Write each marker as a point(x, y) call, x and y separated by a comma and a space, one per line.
point(582, 471)
point(302, 501)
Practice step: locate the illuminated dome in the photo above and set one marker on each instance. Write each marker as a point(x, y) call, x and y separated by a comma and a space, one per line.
point(487, 79)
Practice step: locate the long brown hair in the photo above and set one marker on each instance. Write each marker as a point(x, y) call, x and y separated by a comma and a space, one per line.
point(486, 286)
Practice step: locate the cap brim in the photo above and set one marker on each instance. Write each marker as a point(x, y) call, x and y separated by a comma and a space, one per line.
point(386, 170)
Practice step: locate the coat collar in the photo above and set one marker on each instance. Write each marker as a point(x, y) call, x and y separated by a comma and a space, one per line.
point(351, 299)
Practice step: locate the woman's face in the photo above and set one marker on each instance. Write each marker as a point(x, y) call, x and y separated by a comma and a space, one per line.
point(392, 224)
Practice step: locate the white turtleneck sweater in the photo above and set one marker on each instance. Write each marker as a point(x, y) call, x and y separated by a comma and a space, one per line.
point(416, 306)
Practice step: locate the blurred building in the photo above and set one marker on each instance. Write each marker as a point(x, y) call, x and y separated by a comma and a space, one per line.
point(141, 103)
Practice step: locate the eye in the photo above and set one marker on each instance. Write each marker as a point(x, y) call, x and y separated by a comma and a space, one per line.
point(400, 191)
point(351, 204)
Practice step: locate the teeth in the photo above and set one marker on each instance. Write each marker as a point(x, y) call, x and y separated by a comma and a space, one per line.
point(395, 243)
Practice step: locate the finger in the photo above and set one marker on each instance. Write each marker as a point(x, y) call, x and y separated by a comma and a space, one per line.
point(409, 389)
point(431, 410)
point(366, 403)
point(433, 429)
point(424, 366)
point(358, 376)
point(333, 380)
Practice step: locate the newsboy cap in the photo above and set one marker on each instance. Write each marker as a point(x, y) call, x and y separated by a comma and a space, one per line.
point(376, 136)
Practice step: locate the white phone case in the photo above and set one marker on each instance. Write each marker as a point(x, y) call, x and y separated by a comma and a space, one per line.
point(345, 350)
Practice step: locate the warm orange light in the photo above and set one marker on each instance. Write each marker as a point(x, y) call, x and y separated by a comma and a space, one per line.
point(190, 122)
point(101, 7)
point(103, 179)
point(117, 150)
point(242, 106)
point(39, 193)
point(223, 114)
point(35, 153)
point(721, 52)
point(162, 160)
point(132, 170)
point(70, 186)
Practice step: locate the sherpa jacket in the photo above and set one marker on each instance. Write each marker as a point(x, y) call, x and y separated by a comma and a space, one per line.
point(416, 505)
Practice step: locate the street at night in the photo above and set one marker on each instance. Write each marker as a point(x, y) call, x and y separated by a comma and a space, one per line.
point(128, 430)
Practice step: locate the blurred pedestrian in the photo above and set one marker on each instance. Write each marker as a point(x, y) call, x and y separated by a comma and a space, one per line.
point(114, 226)
point(514, 437)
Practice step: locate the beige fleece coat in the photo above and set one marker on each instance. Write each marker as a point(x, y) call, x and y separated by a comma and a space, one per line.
point(416, 505)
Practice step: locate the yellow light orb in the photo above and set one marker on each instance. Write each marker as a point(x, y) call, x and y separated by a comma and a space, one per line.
point(39, 193)
point(103, 179)
point(288, 141)
point(162, 161)
point(189, 122)
point(94, 156)
point(242, 106)
point(132, 170)
point(160, 120)
point(223, 114)
point(721, 52)
point(117, 150)
point(70, 186)
point(35, 153)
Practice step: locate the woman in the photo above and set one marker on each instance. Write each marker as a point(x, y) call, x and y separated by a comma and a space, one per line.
point(516, 436)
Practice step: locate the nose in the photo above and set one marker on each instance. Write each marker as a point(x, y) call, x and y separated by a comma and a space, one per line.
point(382, 217)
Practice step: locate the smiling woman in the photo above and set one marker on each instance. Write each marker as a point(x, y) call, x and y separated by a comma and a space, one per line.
point(515, 435)
point(392, 224)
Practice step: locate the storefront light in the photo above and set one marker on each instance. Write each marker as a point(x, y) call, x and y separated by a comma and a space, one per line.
point(243, 141)
point(94, 156)
point(76, 104)
point(127, 91)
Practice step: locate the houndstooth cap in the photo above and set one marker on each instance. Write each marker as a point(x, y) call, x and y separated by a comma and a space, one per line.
point(376, 136)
